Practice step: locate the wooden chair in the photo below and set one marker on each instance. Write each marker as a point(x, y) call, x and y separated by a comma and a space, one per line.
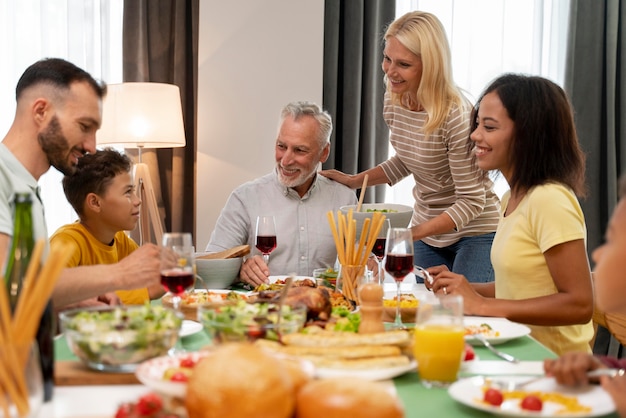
point(614, 323)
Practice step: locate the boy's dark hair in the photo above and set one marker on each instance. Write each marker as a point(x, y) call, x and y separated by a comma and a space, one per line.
point(94, 173)
point(58, 73)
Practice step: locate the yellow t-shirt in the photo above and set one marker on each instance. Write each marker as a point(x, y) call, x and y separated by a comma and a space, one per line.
point(548, 215)
point(88, 251)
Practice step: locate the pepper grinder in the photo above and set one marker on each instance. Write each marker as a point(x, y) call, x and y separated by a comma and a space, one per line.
point(371, 298)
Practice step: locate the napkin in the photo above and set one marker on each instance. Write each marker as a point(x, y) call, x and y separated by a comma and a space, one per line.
point(498, 367)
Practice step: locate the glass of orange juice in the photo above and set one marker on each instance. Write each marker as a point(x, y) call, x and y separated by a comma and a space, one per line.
point(439, 339)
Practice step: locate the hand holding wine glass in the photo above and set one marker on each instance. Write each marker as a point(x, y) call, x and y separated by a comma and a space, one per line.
point(265, 236)
point(399, 262)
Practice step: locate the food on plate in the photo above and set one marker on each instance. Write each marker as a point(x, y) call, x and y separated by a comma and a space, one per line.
point(346, 339)
point(240, 380)
point(341, 350)
point(338, 398)
point(241, 321)
point(197, 297)
point(119, 337)
point(533, 400)
point(279, 283)
point(469, 353)
point(342, 319)
point(181, 371)
point(531, 403)
point(407, 300)
point(484, 329)
point(493, 397)
point(149, 405)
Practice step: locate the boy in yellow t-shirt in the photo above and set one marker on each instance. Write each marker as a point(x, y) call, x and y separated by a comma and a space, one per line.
point(102, 193)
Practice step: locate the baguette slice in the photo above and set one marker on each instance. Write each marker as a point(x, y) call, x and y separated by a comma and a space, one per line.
point(353, 352)
point(347, 339)
point(358, 364)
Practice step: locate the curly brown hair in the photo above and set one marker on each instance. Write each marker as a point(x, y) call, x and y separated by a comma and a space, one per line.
point(94, 173)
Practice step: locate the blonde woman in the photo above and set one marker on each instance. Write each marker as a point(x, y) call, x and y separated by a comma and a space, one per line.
point(455, 213)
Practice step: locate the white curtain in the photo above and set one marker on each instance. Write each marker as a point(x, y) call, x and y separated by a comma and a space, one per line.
point(491, 37)
point(85, 32)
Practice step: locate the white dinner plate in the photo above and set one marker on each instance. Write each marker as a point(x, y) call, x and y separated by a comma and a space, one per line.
point(507, 330)
point(150, 373)
point(368, 374)
point(189, 328)
point(469, 392)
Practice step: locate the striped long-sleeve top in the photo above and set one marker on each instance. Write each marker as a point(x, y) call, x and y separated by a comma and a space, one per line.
point(445, 179)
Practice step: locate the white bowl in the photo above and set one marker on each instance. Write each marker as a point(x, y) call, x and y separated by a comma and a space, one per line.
point(399, 217)
point(217, 273)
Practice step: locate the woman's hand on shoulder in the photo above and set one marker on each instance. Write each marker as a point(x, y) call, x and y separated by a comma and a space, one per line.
point(339, 177)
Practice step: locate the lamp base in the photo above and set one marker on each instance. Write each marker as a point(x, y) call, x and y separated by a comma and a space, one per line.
point(149, 210)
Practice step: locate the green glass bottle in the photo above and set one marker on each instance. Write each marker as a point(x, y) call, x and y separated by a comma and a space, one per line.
point(21, 249)
point(20, 253)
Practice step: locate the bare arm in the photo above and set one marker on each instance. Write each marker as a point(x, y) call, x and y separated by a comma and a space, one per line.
point(376, 176)
point(572, 304)
point(139, 269)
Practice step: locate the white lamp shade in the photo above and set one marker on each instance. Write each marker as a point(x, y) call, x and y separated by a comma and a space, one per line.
point(142, 115)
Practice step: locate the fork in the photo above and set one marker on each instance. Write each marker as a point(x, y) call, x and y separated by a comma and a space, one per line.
point(511, 385)
point(494, 350)
point(423, 273)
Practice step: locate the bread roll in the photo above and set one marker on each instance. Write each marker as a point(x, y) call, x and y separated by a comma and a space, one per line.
point(341, 398)
point(240, 380)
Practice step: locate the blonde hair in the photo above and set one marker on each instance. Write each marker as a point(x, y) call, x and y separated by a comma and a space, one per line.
point(423, 34)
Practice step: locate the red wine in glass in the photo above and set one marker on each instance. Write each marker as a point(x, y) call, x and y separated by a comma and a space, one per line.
point(266, 244)
point(399, 265)
point(177, 281)
point(379, 248)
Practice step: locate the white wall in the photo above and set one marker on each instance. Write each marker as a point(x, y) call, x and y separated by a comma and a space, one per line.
point(254, 57)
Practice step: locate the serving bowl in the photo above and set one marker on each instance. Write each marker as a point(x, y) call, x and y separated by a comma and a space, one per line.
point(118, 339)
point(217, 273)
point(399, 215)
point(236, 321)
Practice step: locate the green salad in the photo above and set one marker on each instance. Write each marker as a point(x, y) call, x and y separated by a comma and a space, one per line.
point(118, 336)
point(382, 210)
point(243, 321)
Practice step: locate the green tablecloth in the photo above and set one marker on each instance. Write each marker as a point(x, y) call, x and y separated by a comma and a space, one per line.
point(418, 400)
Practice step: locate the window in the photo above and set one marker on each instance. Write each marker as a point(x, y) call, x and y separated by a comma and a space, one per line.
point(85, 32)
point(491, 37)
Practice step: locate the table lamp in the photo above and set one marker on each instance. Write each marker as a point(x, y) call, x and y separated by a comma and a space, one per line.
point(143, 115)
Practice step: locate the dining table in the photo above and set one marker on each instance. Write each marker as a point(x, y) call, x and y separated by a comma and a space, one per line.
point(99, 394)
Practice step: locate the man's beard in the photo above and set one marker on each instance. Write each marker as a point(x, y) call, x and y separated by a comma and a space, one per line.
point(55, 146)
point(294, 182)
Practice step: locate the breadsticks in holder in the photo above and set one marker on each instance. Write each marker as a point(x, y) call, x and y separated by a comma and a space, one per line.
point(353, 255)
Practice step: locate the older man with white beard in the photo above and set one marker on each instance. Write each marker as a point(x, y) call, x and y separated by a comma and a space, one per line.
point(294, 194)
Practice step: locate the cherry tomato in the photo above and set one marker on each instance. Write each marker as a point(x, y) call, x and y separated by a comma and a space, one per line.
point(187, 362)
point(149, 404)
point(125, 410)
point(532, 403)
point(493, 397)
point(179, 377)
point(469, 353)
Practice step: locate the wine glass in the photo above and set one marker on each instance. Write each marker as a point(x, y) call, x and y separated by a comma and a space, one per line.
point(379, 249)
point(399, 253)
point(265, 236)
point(177, 270)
